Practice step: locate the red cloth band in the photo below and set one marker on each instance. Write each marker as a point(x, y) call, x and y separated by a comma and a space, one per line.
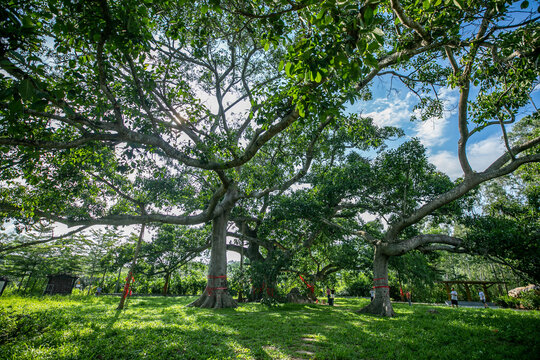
point(211, 289)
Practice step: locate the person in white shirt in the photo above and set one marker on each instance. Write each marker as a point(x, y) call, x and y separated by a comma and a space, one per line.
point(482, 298)
point(453, 297)
point(372, 293)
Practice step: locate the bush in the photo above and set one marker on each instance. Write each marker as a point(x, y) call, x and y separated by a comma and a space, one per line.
point(529, 300)
point(506, 301)
point(358, 288)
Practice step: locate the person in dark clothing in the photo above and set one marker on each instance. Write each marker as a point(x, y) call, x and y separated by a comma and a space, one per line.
point(331, 298)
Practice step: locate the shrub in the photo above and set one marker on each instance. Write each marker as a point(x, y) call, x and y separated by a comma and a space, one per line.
point(530, 300)
point(358, 288)
point(506, 301)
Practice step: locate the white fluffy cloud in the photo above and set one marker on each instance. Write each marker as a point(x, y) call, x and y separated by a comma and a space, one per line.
point(391, 111)
point(448, 163)
point(397, 111)
point(481, 154)
point(432, 131)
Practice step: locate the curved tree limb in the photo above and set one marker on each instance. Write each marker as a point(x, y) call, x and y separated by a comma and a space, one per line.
point(43, 241)
point(420, 241)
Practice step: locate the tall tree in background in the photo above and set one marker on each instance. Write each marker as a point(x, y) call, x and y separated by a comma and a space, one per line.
point(506, 231)
point(173, 247)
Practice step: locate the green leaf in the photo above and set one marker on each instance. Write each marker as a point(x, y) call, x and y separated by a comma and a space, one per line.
point(27, 22)
point(378, 31)
point(525, 4)
point(280, 66)
point(15, 107)
point(456, 2)
point(26, 89)
point(426, 4)
point(371, 61)
point(39, 105)
point(368, 15)
point(288, 69)
point(318, 78)
point(328, 19)
point(301, 111)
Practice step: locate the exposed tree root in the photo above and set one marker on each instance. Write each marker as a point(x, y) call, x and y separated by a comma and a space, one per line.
point(217, 299)
point(381, 307)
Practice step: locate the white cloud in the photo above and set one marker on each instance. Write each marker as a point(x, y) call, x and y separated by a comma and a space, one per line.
point(391, 111)
point(481, 154)
point(448, 163)
point(431, 132)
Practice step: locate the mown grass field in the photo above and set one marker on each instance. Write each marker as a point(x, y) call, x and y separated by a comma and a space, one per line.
point(163, 328)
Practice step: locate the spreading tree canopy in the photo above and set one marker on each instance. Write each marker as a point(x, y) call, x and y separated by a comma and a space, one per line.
point(129, 112)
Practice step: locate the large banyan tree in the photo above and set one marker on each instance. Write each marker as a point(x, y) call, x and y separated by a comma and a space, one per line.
point(128, 112)
point(489, 51)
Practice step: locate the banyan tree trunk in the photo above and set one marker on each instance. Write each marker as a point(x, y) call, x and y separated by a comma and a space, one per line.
point(381, 305)
point(216, 294)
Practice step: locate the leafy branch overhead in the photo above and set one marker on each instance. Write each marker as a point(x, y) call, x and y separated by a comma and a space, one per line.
point(176, 112)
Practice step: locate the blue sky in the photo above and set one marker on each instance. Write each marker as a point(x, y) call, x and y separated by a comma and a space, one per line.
point(439, 136)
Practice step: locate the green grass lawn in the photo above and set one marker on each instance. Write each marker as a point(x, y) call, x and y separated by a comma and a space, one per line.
point(163, 328)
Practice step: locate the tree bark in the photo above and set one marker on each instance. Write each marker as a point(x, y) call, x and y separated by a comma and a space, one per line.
point(381, 305)
point(131, 270)
point(91, 278)
point(102, 282)
point(166, 286)
point(216, 294)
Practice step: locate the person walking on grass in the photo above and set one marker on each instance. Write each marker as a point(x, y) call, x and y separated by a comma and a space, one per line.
point(482, 298)
point(332, 296)
point(453, 297)
point(372, 293)
point(408, 296)
point(328, 293)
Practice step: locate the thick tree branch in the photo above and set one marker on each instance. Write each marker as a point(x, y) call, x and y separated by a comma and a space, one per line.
point(43, 241)
point(497, 169)
point(416, 242)
point(408, 22)
point(303, 171)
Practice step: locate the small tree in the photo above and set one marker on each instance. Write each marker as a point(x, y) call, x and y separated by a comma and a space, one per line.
point(173, 247)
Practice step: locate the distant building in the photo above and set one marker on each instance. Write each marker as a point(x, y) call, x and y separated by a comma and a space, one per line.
point(60, 284)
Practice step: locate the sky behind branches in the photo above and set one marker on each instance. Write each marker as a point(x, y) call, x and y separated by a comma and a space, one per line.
point(392, 105)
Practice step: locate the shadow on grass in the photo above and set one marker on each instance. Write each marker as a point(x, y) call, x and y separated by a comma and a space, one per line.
point(163, 328)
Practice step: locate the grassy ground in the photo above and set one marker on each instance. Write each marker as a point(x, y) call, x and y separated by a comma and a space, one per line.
point(163, 328)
